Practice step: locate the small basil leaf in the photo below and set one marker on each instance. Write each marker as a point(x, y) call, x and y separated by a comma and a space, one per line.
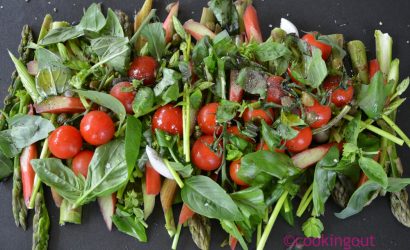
point(143, 101)
point(155, 35)
point(374, 171)
point(313, 227)
point(397, 184)
point(269, 51)
point(130, 226)
point(232, 230)
point(112, 25)
point(93, 19)
point(6, 166)
point(227, 110)
point(170, 77)
point(372, 97)
point(133, 133)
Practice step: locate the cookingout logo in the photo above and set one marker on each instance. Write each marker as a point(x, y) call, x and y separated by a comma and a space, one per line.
point(329, 241)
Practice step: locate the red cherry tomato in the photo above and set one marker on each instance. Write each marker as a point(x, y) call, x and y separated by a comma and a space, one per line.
point(169, 119)
point(81, 162)
point(234, 130)
point(122, 92)
point(202, 155)
point(144, 68)
point(340, 96)
point(207, 119)
point(301, 141)
point(97, 128)
point(263, 146)
point(326, 49)
point(259, 114)
point(275, 91)
point(65, 142)
point(233, 172)
point(319, 115)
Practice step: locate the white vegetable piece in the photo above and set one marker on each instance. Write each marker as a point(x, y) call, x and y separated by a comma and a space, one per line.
point(157, 163)
point(288, 26)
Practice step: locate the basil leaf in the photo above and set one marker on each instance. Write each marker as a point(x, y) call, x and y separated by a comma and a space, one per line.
point(359, 199)
point(199, 53)
point(226, 14)
point(105, 100)
point(130, 226)
point(155, 35)
point(227, 110)
point(206, 197)
point(252, 81)
point(51, 82)
point(113, 51)
point(133, 133)
point(269, 51)
point(179, 29)
point(93, 19)
point(62, 34)
point(164, 139)
point(374, 171)
point(6, 144)
point(55, 174)
point(324, 180)
point(47, 59)
point(143, 101)
point(232, 229)
point(270, 136)
point(185, 171)
point(250, 201)
point(170, 77)
point(402, 87)
point(107, 171)
point(6, 166)
point(352, 130)
point(112, 25)
point(397, 184)
point(224, 46)
point(291, 120)
point(313, 227)
point(196, 99)
point(316, 69)
point(372, 97)
point(170, 94)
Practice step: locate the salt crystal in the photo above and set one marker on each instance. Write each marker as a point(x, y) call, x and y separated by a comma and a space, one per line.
point(380, 23)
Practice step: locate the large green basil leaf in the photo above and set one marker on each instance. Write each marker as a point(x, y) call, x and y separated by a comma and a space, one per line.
point(374, 171)
point(133, 135)
point(359, 199)
point(55, 174)
point(113, 51)
point(250, 201)
point(105, 100)
point(324, 180)
point(372, 97)
point(155, 35)
point(93, 19)
point(6, 166)
point(47, 59)
point(61, 35)
point(50, 82)
point(204, 196)
point(107, 171)
point(112, 25)
point(316, 68)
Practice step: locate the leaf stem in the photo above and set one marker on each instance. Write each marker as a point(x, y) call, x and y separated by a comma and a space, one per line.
point(174, 174)
point(396, 128)
point(304, 200)
point(186, 123)
point(271, 221)
point(176, 237)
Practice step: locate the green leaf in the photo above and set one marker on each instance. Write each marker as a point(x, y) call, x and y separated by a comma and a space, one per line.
point(62, 34)
point(286, 132)
point(93, 19)
point(352, 129)
point(179, 29)
point(199, 53)
point(170, 77)
point(374, 171)
point(224, 46)
point(397, 184)
point(184, 170)
point(105, 100)
point(401, 88)
point(227, 110)
point(55, 174)
point(232, 229)
point(113, 51)
point(112, 25)
point(6, 166)
point(359, 199)
point(133, 133)
point(372, 97)
point(316, 69)
point(324, 180)
point(143, 101)
point(291, 120)
point(269, 51)
point(206, 197)
point(6, 145)
point(313, 227)
point(155, 35)
point(252, 81)
point(107, 171)
point(47, 59)
point(256, 166)
point(270, 136)
point(164, 139)
point(170, 94)
point(50, 82)
point(130, 226)
point(196, 99)
point(226, 14)
point(250, 201)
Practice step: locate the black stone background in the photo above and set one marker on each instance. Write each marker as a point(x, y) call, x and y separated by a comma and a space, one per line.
point(356, 19)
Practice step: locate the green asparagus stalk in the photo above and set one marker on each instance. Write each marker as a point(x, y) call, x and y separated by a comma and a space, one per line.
point(357, 53)
point(125, 22)
point(41, 223)
point(200, 229)
point(69, 214)
point(18, 206)
point(45, 27)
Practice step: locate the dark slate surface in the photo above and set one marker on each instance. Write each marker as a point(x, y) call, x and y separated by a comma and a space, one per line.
point(356, 19)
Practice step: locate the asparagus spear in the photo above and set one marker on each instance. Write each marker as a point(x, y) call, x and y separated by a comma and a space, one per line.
point(200, 229)
point(357, 53)
point(18, 206)
point(41, 224)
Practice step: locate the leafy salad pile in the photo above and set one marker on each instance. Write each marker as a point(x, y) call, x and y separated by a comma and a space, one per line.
point(207, 115)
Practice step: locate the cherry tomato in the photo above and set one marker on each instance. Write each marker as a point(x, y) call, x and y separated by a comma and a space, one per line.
point(207, 119)
point(326, 49)
point(97, 128)
point(169, 119)
point(258, 114)
point(233, 172)
point(301, 141)
point(144, 68)
point(318, 115)
point(234, 130)
point(202, 155)
point(122, 92)
point(340, 96)
point(81, 162)
point(65, 142)
point(275, 91)
point(263, 146)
